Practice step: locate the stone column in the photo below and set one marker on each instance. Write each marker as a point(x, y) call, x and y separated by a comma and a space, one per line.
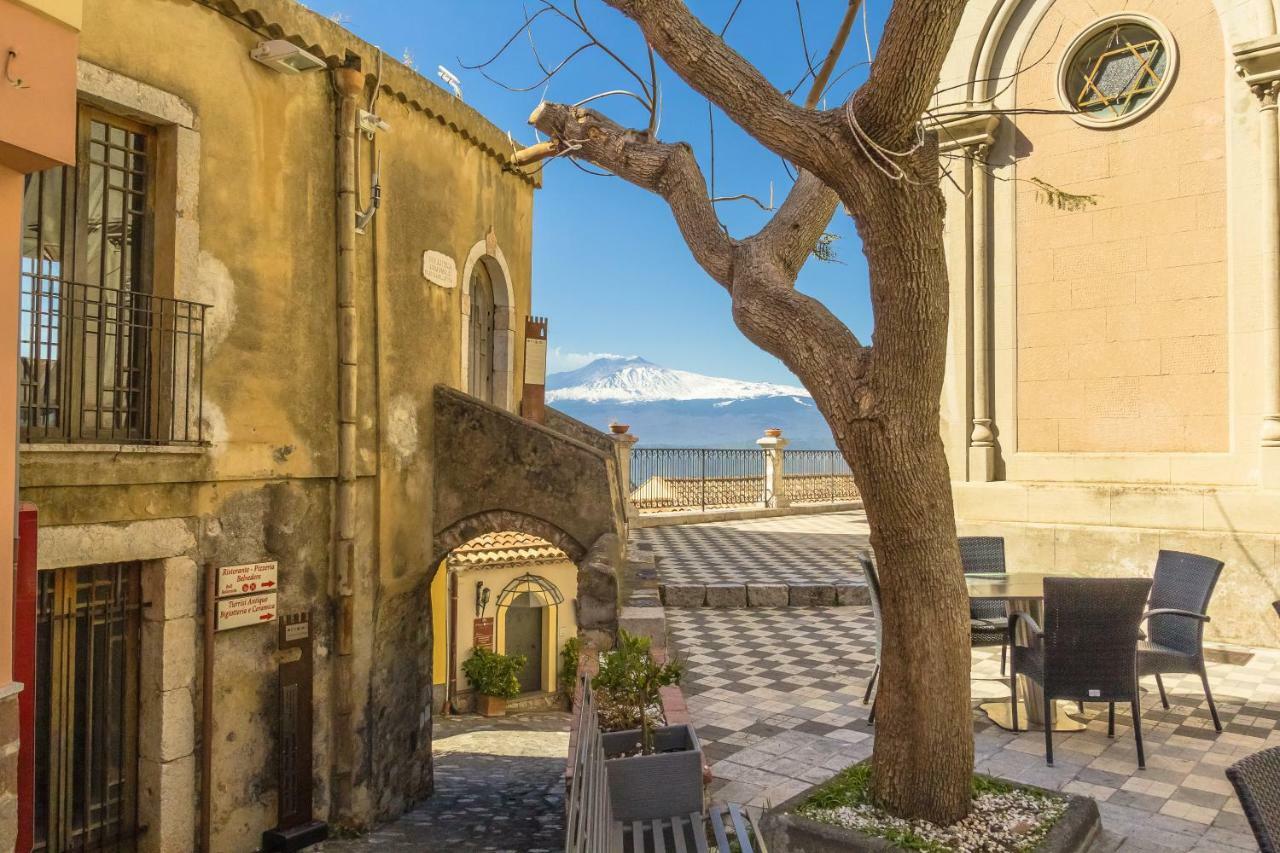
point(982, 438)
point(775, 483)
point(1259, 64)
point(973, 134)
point(622, 444)
point(1270, 180)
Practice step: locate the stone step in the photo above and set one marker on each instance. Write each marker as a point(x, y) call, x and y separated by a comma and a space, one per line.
point(730, 595)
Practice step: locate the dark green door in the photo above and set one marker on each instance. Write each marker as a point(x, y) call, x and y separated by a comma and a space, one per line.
point(524, 637)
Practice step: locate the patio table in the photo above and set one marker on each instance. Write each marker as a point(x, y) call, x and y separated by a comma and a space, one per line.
point(1021, 592)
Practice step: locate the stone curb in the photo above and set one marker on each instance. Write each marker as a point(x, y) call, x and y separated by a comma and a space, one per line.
point(734, 596)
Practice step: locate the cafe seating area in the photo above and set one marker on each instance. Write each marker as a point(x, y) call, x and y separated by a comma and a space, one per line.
point(1094, 640)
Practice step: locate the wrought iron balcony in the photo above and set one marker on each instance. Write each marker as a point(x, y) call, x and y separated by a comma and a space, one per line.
point(101, 365)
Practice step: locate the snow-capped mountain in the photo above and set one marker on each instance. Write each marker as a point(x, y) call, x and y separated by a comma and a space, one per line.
point(677, 408)
point(635, 380)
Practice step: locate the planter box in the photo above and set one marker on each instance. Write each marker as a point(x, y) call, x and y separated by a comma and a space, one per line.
point(787, 832)
point(491, 706)
point(645, 787)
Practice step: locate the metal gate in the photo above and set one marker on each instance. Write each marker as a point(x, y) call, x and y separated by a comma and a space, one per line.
point(87, 644)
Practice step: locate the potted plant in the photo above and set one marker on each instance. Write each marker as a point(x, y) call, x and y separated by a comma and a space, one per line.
point(493, 677)
point(773, 432)
point(617, 428)
point(654, 770)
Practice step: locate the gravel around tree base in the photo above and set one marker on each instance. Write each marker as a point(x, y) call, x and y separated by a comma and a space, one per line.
point(1003, 818)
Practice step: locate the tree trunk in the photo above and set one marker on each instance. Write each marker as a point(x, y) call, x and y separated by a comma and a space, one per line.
point(885, 417)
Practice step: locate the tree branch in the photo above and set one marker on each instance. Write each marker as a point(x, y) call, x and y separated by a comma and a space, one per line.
point(669, 170)
point(720, 74)
point(906, 68)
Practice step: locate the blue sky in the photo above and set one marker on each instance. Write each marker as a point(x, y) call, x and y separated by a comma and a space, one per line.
point(610, 269)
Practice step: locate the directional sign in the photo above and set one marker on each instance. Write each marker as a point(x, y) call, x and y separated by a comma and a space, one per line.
point(245, 610)
point(246, 579)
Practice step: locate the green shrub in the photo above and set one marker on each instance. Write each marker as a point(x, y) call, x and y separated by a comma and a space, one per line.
point(569, 664)
point(493, 674)
point(628, 684)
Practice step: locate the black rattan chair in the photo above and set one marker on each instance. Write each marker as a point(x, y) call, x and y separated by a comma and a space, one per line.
point(1175, 621)
point(1257, 782)
point(873, 590)
point(1087, 649)
point(988, 620)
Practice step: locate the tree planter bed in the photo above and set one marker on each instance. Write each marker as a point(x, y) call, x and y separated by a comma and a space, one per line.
point(794, 828)
point(668, 782)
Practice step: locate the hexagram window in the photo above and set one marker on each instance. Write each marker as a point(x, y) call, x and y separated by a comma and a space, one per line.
point(1117, 71)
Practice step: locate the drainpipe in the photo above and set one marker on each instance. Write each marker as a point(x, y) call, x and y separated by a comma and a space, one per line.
point(452, 632)
point(349, 83)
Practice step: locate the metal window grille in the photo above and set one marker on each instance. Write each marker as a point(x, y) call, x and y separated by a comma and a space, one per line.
point(818, 476)
point(102, 359)
point(87, 644)
point(667, 479)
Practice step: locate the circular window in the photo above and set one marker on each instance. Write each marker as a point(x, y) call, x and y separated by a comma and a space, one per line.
point(1117, 70)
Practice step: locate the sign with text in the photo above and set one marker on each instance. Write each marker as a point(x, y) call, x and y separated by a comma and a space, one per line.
point(439, 268)
point(249, 578)
point(245, 610)
point(482, 633)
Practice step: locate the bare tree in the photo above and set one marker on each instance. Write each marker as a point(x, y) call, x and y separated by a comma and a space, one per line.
point(881, 400)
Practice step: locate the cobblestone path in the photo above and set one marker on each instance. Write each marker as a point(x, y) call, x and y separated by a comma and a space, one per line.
point(499, 787)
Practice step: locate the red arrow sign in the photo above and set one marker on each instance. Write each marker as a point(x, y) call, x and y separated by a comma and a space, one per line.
point(265, 616)
point(266, 584)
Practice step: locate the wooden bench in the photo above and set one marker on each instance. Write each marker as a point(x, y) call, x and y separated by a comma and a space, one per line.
point(591, 828)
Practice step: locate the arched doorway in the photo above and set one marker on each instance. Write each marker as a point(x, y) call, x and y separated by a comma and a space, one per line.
point(529, 610)
point(481, 358)
point(510, 592)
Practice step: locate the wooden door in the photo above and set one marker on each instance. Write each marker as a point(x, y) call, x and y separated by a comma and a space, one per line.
point(482, 313)
point(524, 637)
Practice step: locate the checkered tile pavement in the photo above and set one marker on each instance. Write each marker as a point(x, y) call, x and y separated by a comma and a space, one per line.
point(792, 549)
point(776, 696)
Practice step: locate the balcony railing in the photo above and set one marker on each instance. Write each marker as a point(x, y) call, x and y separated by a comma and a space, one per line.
point(100, 365)
point(818, 476)
point(682, 479)
point(668, 479)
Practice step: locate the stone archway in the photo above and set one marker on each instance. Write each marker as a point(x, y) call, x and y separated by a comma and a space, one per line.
point(472, 527)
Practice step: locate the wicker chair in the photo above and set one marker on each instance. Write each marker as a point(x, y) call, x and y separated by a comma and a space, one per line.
point(873, 589)
point(1256, 779)
point(988, 620)
point(1087, 649)
point(1175, 622)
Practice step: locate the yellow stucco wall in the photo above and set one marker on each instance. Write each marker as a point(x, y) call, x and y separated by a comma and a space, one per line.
point(1122, 315)
point(254, 236)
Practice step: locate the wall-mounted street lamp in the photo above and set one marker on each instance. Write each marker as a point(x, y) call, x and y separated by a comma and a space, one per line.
point(286, 57)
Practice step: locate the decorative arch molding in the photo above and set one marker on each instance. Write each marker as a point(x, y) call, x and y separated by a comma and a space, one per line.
point(489, 253)
point(1007, 26)
point(498, 520)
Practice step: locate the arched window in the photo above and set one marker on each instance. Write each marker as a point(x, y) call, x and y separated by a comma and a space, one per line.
point(481, 368)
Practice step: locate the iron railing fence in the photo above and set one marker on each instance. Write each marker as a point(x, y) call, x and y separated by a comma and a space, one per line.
point(669, 479)
point(817, 476)
point(104, 365)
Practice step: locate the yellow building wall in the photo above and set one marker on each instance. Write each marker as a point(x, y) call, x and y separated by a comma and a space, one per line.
point(440, 626)
point(1122, 305)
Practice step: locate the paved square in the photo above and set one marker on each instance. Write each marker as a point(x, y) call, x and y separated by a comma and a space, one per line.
point(776, 696)
point(791, 549)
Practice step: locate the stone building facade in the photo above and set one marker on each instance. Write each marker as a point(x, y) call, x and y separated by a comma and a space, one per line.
point(231, 355)
point(1113, 380)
